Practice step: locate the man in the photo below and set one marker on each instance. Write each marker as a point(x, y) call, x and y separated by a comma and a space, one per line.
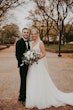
point(22, 45)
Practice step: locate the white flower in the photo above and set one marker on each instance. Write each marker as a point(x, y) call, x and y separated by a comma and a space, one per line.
point(28, 53)
point(30, 57)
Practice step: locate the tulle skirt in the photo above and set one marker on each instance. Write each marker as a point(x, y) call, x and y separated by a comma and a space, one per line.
point(40, 89)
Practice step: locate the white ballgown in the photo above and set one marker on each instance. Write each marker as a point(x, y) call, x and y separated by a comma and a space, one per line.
point(40, 89)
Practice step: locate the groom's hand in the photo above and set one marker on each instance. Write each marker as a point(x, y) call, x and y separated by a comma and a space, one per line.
point(21, 65)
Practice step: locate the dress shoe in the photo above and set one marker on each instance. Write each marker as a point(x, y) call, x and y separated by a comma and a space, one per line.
point(19, 99)
point(23, 102)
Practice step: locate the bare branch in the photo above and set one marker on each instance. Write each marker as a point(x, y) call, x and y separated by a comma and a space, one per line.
point(7, 4)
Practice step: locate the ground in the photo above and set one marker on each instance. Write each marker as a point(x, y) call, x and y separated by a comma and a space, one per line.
point(60, 70)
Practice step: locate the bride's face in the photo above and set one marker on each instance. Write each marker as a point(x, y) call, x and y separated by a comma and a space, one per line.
point(34, 36)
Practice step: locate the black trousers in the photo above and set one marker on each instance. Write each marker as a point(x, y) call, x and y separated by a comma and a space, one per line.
point(23, 74)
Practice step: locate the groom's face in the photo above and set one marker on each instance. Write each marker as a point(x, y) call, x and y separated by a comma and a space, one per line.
point(25, 33)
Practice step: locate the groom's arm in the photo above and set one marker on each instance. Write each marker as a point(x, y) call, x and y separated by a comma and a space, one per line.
point(18, 53)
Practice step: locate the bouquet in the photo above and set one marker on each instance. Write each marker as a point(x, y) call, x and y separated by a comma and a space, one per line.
point(30, 57)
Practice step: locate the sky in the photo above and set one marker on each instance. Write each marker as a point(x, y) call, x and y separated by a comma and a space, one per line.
point(19, 14)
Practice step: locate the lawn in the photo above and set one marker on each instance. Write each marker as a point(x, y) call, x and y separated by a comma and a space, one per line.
point(56, 47)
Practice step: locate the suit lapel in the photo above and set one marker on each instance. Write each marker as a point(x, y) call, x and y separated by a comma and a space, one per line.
point(25, 44)
point(28, 46)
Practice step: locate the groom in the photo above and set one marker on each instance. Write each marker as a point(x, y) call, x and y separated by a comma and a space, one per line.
point(22, 45)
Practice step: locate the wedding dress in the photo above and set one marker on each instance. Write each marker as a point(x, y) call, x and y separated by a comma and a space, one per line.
point(40, 89)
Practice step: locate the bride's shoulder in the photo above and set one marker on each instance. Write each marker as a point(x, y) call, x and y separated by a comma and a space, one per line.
point(41, 42)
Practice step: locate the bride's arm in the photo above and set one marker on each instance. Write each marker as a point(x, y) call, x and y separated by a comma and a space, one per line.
point(43, 51)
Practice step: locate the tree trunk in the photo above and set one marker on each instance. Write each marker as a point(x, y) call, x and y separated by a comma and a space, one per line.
point(47, 32)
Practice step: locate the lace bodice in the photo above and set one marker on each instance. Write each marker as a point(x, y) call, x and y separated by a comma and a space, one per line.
point(36, 47)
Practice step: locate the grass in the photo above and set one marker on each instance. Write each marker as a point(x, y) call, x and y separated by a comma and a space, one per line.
point(56, 47)
point(2, 46)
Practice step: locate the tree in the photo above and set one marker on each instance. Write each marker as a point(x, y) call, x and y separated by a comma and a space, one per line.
point(5, 5)
point(9, 33)
point(40, 21)
point(57, 12)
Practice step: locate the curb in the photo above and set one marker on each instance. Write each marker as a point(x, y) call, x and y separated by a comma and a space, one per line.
point(5, 46)
point(62, 51)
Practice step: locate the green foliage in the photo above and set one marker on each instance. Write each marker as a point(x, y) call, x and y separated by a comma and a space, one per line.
point(53, 34)
point(9, 33)
point(69, 33)
point(69, 37)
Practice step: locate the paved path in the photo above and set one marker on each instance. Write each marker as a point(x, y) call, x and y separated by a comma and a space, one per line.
point(60, 70)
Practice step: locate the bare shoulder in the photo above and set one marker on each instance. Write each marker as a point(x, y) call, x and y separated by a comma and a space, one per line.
point(42, 44)
point(42, 49)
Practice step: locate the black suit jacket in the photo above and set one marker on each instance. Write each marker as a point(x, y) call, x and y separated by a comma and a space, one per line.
point(20, 49)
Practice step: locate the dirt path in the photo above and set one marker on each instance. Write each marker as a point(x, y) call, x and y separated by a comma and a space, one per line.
point(60, 70)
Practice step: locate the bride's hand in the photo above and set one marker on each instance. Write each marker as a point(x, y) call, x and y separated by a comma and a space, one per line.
point(42, 49)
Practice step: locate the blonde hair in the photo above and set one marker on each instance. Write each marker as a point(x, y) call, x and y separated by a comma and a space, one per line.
point(35, 30)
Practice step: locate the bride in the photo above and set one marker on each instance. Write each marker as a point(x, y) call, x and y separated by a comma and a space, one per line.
point(40, 90)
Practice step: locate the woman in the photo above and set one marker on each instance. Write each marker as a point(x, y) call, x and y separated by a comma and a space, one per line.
point(40, 90)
